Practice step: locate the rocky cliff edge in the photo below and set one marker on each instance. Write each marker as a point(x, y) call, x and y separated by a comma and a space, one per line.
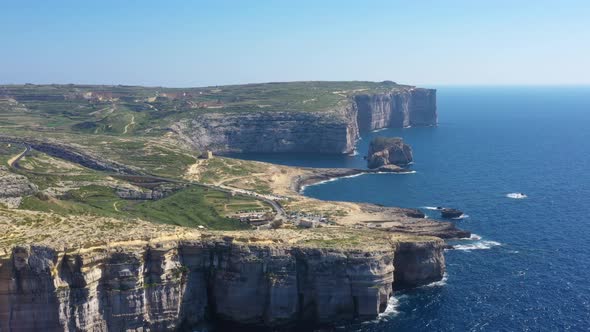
point(334, 131)
point(274, 278)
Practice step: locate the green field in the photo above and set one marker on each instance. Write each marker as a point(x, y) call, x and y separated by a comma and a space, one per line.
point(134, 110)
point(191, 207)
point(134, 126)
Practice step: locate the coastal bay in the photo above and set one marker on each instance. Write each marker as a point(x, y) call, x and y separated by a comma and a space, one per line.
point(526, 254)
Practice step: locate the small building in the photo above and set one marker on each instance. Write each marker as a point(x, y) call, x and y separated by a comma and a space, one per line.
point(207, 154)
point(306, 223)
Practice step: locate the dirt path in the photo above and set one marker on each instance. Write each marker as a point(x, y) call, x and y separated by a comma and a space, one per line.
point(115, 206)
point(129, 124)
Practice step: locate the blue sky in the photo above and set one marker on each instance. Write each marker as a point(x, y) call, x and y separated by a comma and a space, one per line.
point(195, 43)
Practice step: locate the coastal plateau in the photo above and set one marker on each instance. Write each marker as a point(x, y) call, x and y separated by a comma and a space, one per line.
point(112, 219)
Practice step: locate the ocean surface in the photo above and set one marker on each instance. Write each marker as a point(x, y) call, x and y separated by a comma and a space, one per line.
point(528, 268)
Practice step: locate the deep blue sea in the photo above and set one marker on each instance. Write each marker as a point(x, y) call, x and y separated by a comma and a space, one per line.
point(530, 270)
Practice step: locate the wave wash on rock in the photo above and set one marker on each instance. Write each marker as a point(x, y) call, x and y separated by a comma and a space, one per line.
point(165, 285)
point(334, 131)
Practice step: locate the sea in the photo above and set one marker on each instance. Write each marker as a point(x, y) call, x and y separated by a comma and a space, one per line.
point(527, 266)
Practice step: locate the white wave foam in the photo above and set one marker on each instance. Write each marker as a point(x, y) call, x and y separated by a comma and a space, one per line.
point(463, 216)
point(378, 130)
point(430, 208)
point(439, 283)
point(330, 180)
point(302, 189)
point(406, 172)
point(474, 237)
point(391, 310)
point(516, 196)
point(478, 245)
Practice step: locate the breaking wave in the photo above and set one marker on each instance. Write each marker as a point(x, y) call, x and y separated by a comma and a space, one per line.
point(430, 208)
point(478, 245)
point(439, 283)
point(463, 216)
point(391, 310)
point(474, 237)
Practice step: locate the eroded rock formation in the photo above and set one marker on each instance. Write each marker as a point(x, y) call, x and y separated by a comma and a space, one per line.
point(155, 193)
point(385, 151)
point(164, 285)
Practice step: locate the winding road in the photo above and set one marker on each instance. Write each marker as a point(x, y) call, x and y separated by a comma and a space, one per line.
point(129, 124)
point(14, 160)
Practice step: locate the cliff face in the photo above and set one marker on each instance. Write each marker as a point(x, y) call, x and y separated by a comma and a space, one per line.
point(165, 285)
point(329, 132)
point(323, 132)
point(418, 264)
point(414, 107)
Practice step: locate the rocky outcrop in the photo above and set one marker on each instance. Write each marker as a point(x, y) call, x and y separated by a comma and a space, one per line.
point(154, 194)
point(13, 187)
point(450, 213)
point(388, 151)
point(334, 131)
point(165, 285)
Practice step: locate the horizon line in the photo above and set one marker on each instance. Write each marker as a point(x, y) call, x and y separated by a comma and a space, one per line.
point(587, 84)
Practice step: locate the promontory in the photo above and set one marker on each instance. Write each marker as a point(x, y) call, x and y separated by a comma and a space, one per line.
point(119, 211)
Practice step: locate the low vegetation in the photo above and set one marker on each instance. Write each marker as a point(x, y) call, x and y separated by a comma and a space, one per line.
point(130, 111)
point(191, 207)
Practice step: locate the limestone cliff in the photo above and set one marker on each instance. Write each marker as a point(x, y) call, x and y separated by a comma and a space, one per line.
point(402, 108)
point(322, 132)
point(154, 286)
point(333, 131)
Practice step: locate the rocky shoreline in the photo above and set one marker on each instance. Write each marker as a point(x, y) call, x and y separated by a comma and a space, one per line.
point(414, 223)
point(319, 175)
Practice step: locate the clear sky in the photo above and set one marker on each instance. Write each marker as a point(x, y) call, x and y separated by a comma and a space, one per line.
point(195, 43)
